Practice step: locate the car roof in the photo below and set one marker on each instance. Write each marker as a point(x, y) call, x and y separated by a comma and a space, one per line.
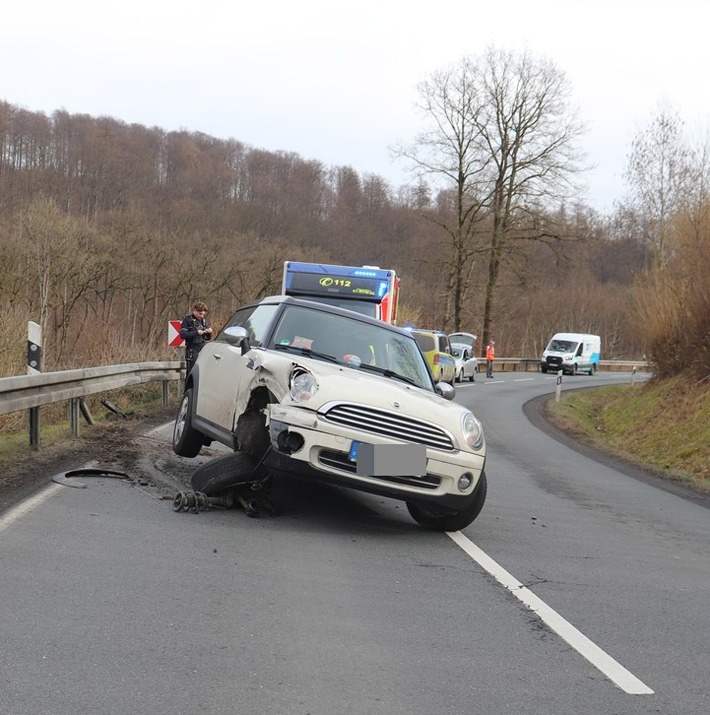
point(422, 331)
point(324, 308)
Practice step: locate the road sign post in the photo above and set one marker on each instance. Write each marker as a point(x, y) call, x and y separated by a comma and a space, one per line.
point(34, 367)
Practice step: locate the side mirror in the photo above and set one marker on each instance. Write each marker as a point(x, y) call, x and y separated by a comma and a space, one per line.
point(236, 335)
point(445, 390)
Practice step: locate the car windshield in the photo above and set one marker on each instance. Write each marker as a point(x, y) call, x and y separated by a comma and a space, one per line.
point(563, 346)
point(348, 341)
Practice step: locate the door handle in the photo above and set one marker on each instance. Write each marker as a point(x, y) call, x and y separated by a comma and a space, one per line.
point(216, 356)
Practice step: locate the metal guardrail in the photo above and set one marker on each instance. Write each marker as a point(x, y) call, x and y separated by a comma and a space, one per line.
point(533, 365)
point(25, 391)
point(29, 392)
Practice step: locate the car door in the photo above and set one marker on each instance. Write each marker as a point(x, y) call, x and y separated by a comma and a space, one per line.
point(225, 373)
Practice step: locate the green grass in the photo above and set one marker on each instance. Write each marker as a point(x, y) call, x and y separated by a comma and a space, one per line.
point(664, 425)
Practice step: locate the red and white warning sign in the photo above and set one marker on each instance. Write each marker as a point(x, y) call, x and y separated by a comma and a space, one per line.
point(174, 339)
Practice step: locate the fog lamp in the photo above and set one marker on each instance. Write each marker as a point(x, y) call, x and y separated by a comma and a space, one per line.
point(465, 482)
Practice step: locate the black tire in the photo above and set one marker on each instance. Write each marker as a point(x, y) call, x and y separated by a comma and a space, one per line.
point(222, 473)
point(592, 369)
point(543, 368)
point(459, 376)
point(187, 441)
point(252, 434)
point(472, 377)
point(429, 516)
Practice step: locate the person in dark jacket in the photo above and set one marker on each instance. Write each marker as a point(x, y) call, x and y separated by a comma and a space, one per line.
point(195, 332)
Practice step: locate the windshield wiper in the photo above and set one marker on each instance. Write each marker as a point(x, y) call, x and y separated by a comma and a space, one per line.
point(306, 351)
point(389, 373)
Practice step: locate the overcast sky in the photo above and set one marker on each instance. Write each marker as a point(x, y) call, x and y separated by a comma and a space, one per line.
point(335, 80)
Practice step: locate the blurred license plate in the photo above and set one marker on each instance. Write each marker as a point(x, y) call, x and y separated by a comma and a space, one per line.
point(389, 460)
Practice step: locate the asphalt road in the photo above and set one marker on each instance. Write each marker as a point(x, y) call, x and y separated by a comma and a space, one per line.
point(580, 588)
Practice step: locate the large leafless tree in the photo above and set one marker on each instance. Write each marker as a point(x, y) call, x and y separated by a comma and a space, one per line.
point(501, 139)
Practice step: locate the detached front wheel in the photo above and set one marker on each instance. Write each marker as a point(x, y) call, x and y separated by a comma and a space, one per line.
point(222, 473)
point(187, 441)
point(430, 516)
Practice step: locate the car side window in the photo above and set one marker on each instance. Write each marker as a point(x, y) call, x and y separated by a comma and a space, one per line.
point(257, 320)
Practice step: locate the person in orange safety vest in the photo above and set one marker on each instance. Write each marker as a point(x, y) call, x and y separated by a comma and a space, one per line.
point(490, 357)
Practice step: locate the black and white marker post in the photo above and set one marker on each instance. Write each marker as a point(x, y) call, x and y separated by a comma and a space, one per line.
point(34, 367)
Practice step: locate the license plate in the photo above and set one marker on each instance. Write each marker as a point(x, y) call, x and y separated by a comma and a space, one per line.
point(389, 460)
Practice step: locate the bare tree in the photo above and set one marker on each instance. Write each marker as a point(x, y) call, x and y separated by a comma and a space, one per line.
point(658, 173)
point(502, 136)
point(447, 153)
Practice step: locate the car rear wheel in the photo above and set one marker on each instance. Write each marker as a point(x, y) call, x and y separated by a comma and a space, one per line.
point(459, 377)
point(187, 441)
point(430, 516)
point(222, 473)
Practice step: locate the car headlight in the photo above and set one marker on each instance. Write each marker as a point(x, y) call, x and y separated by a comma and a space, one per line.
point(472, 430)
point(303, 386)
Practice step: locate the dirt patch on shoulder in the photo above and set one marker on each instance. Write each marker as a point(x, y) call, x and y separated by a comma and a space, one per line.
point(123, 445)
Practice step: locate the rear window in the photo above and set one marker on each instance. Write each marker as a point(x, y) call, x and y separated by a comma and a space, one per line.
point(426, 342)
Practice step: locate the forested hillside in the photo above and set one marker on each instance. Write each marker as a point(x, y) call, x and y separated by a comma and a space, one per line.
point(108, 230)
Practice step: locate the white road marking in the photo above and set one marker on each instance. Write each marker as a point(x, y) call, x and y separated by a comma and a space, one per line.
point(28, 505)
point(525, 379)
point(601, 660)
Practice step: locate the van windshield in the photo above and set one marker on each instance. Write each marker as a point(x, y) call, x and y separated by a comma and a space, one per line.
point(562, 346)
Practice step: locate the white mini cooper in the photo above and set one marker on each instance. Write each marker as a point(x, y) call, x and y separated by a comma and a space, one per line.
point(303, 389)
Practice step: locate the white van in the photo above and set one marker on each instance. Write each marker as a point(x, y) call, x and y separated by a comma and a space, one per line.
point(572, 353)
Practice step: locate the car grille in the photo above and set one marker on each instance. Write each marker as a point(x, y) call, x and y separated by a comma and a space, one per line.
point(554, 360)
point(340, 460)
point(389, 424)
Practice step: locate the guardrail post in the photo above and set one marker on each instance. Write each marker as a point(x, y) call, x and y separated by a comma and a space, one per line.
point(74, 416)
point(166, 393)
point(34, 427)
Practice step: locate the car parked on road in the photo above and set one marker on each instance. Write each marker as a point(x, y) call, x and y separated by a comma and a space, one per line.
point(465, 361)
point(437, 350)
point(304, 389)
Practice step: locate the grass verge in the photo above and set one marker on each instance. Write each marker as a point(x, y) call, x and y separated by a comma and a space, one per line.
point(663, 425)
